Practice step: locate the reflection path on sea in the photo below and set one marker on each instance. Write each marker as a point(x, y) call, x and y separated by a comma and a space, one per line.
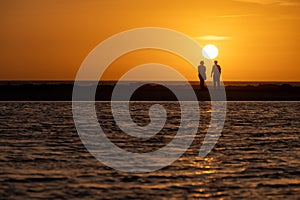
point(257, 156)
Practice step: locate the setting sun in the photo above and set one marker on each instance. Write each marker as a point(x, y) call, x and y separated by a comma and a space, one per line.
point(210, 51)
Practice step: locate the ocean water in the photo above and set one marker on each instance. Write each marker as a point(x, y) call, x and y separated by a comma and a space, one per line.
point(256, 157)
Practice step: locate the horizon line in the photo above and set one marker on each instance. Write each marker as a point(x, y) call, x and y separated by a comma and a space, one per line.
point(71, 80)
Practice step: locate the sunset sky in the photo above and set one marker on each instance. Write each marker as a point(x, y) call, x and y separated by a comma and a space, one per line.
point(258, 40)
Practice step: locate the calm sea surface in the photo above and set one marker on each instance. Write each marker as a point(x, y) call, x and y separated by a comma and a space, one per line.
point(257, 156)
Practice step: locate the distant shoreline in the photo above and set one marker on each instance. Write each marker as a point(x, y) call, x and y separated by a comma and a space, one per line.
point(107, 82)
point(62, 91)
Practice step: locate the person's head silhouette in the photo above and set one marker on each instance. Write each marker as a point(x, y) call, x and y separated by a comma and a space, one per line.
point(216, 62)
point(201, 62)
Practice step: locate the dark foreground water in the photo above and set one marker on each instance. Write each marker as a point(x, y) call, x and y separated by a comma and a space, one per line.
point(257, 156)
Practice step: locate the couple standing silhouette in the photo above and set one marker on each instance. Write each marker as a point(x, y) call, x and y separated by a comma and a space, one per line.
point(215, 73)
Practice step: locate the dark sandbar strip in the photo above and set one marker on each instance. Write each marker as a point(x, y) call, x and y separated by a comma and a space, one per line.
point(63, 92)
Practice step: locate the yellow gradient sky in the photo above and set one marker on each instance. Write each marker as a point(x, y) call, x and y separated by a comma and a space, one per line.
point(258, 40)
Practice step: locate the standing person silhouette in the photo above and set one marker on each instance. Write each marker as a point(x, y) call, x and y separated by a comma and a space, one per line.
point(216, 72)
point(202, 74)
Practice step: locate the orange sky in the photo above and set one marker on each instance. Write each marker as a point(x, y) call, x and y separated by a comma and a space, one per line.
point(48, 39)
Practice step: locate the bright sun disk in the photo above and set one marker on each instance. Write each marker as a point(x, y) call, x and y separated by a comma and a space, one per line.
point(210, 51)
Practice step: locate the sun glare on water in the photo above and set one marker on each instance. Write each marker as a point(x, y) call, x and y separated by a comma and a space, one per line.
point(210, 51)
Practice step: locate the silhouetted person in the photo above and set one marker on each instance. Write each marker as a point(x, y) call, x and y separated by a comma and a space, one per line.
point(216, 72)
point(202, 75)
